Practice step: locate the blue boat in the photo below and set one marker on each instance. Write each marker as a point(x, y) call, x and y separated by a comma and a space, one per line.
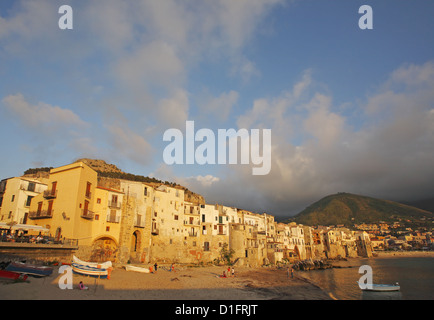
point(29, 269)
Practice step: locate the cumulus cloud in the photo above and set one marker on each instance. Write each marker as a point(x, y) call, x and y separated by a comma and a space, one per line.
point(318, 152)
point(41, 116)
point(127, 144)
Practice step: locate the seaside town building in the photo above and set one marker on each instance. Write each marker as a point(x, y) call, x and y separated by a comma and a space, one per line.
point(130, 221)
point(16, 195)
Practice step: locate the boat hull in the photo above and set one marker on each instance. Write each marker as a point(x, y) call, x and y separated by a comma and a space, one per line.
point(91, 271)
point(137, 269)
point(384, 288)
point(28, 269)
point(9, 275)
point(103, 265)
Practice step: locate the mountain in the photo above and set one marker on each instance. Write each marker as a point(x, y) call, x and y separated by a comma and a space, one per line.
point(350, 209)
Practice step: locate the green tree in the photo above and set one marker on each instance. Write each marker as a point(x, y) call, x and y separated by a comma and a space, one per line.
point(226, 254)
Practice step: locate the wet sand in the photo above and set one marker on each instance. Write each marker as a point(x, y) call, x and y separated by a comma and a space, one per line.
point(187, 283)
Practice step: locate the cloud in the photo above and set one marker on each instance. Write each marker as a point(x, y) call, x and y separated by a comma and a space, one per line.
point(41, 116)
point(207, 180)
point(218, 107)
point(173, 111)
point(316, 152)
point(127, 144)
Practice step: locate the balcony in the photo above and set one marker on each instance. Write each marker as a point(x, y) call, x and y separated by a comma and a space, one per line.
point(191, 223)
point(43, 214)
point(87, 214)
point(114, 205)
point(192, 233)
point(138, 222)
point(50, 194)
point(113, 219)
point(155, 231)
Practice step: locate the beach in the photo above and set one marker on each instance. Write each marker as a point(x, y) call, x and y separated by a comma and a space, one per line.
point(186, 283)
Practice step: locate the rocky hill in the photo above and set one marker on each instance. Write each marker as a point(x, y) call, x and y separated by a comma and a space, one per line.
point(100, 165)
point(350, 209)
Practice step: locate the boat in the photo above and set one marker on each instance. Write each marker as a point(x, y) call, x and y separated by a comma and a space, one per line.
point(137, 269)
point(103, 273)
point(103, 265)
point(29, 269)
point(383, 287)
point(10, 275)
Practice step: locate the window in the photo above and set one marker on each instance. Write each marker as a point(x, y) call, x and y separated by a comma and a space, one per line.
point(98, 200)
point(31, 186)
point(107, 228)
point(176, 217)
point(88, 194)
point(206, 246)
point(86, 208)
point(28, 201)
point(13, 198)
point(114, 199)
point(97, 217)
point(146, 191)
point(203, 218)
point(38, 213)
point(50, 208)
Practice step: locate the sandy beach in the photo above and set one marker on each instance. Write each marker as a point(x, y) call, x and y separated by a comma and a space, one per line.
point(187, 283)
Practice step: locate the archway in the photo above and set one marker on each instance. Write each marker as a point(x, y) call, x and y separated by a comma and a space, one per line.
point(135, 242)
point(104, 249)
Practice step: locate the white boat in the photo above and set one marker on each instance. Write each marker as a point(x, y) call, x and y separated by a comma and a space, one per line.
point(91, 271)
point(137, 269)
point(101, 265)
point(383, 287)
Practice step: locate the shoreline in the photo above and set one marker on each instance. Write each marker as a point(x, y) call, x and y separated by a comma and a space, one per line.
point(404, 254)
point(187, 283)
point(194, 283)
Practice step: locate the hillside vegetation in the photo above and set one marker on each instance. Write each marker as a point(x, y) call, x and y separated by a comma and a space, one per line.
point(350, 209)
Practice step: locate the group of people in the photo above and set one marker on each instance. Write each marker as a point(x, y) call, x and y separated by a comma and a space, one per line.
point(19, 236)
point(230, 271)
point(154, 269)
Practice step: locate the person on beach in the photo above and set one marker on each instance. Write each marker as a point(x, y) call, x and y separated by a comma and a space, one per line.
point(233, 272)
point(81, 286)
point(172, 268)
point(155, 267)
point(292, 273)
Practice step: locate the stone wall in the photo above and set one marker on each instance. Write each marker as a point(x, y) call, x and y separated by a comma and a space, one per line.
point(34, 253)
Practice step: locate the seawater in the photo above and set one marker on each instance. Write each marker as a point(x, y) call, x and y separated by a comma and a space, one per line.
point(415, 275)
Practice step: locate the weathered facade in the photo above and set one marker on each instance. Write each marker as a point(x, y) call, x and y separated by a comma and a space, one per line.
point(129, 221)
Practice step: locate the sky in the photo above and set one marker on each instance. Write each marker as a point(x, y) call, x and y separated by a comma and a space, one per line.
point(349, 109)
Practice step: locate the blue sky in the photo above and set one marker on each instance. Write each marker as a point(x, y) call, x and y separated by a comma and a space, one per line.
point(349, 109)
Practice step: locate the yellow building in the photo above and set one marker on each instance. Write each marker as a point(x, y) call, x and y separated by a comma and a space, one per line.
point(66, 207)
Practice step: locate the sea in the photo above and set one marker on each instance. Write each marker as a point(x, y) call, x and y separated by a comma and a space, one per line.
point(415, 276)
